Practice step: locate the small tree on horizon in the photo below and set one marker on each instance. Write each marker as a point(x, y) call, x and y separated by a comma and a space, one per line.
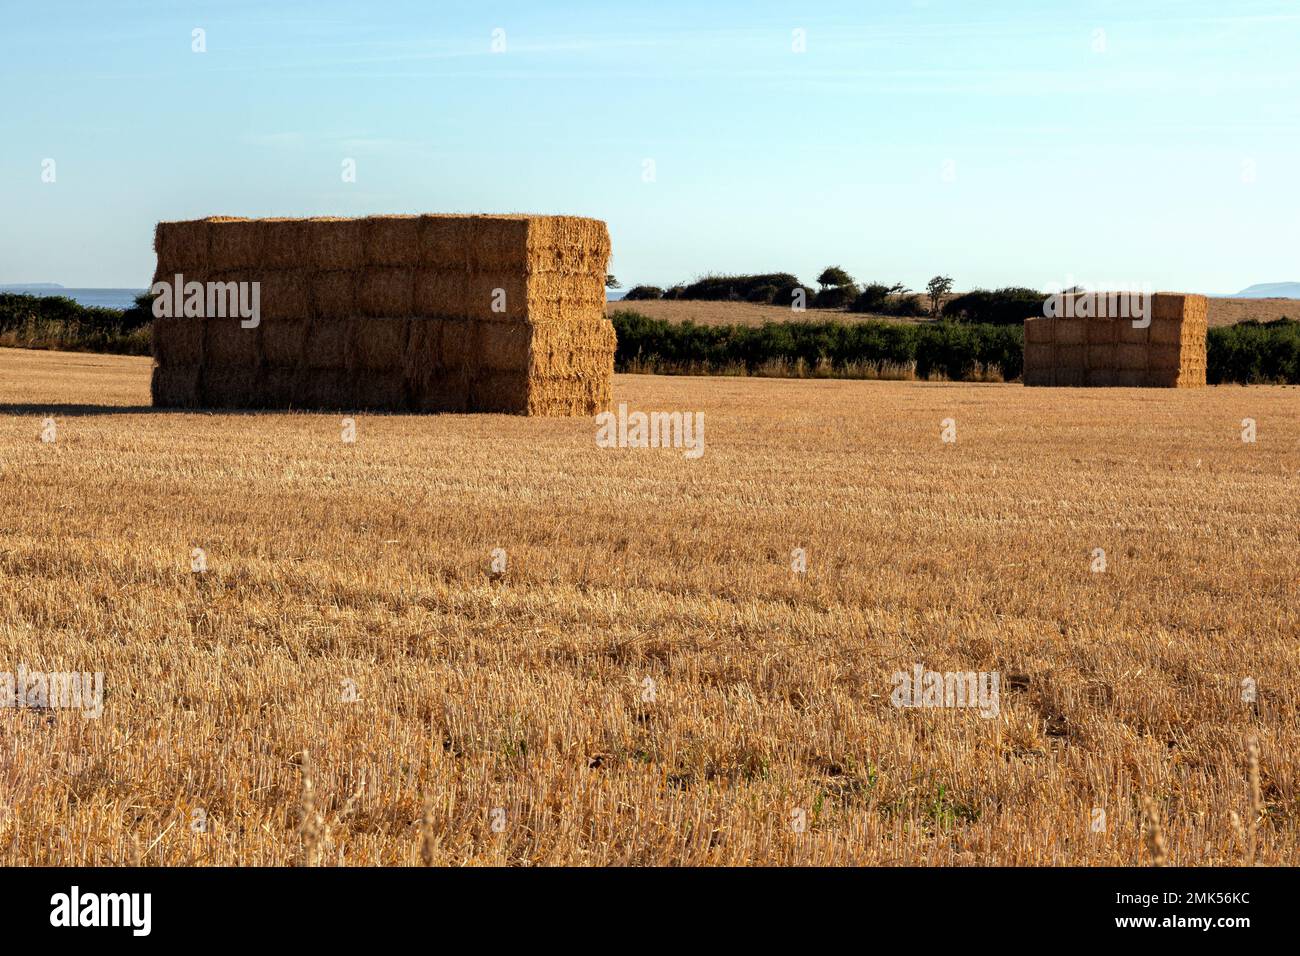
point(611, 282)
point(834, 277)
point(937, 288)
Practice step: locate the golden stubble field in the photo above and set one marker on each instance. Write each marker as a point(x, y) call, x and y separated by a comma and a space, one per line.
point(1222, 312)
point(650, 682)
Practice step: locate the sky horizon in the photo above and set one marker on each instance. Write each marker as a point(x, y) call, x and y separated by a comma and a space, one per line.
point(998, 143)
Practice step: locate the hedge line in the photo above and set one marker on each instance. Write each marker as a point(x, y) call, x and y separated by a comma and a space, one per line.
point(57, 322)
point(1255, 353)
point(943, 349)
point(1249, 353)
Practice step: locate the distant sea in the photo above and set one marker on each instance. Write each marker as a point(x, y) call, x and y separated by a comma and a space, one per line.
point(108, 298)
point(125, 298)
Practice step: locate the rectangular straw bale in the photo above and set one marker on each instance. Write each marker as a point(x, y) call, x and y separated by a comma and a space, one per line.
point(1102, 356)
point(175, 386)
point(554, 295)
point(182, 246)
point(1038, 375)
point(337, 244)
point(423, 344)
point(281, 387)
point(1131, 334)
point(283, 341)
point(326, 345)
point(1166, 331)
point(1070, 356)
point(1101, 377)
point(441, 392)
point(1102, 331)
point(1070, 331)
point(498, 243)
point(1168, 306)
point(1161, 378)
point(224, 386)
point(435, 381)
point(458, 347)
point(1039, 331)
point(188, 277)
point(583, 288)
point(234, 243)
point(441, 293)
point(385, 292)
point(1196, 312)
point(393, 241)
point(404, 303)
point(500, 392)
point(1070, 377)
point(286, 243)
point(1164, 356)
point(445, 243)
point(178, 341)
point(334, 294)
point(378, 390)
point(486, 290)
point(568, 244)
point(228, 295)
point(505, 346)
point(549, 396)
point(226, 343)
point(284, 293)
point(324, 389)
point(1131, 356)
point(379, 344)
point(1131, 377)
point(558, 348)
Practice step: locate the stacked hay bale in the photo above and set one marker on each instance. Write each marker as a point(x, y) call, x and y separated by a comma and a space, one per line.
point(425, 313)
point(1167, 353)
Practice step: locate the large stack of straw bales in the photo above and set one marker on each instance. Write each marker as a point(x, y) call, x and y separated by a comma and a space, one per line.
point(1167, 353)
point(405, 313)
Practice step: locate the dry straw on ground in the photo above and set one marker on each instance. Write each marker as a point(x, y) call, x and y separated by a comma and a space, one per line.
point(1168, 353)
point(1221, 312)
point(525, 692)
point(399, 313)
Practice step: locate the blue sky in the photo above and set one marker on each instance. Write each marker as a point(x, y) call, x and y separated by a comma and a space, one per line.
point(997, 141)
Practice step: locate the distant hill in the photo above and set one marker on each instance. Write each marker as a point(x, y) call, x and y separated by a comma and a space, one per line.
point(1271, 290)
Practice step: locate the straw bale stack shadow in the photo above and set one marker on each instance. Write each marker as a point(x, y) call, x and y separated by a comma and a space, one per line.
point(1103, 352)
point(428, 313)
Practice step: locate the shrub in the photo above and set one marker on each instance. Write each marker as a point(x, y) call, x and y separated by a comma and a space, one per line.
point(785, 295)
point(883, 299)
point(835, 297)
point(943, 349)
point(1252, 353)
point(1248, 353)
point(834, 276)
point(873, 298)
point(1009, 306)
point(936, 289)
point(57, 322)
point(905, 306)
point(734, 288)
point(640, 293)
point(763, 294)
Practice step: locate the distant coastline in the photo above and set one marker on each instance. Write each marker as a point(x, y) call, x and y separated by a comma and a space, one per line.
point(104, 298)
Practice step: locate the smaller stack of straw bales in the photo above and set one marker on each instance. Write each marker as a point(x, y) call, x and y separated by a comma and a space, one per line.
point(1168, 353)
point(430, 313)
